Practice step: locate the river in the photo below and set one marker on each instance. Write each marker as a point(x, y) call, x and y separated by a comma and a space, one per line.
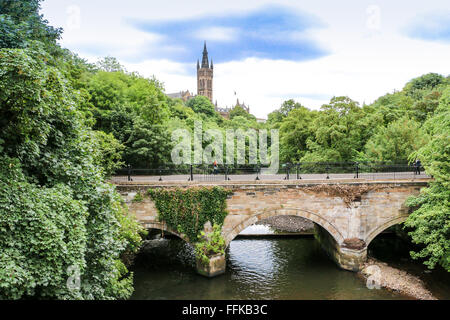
point(278, 268)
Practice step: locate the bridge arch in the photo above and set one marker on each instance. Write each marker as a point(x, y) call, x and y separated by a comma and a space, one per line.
point(376, 231)
point(261, 215)
point(164, 227)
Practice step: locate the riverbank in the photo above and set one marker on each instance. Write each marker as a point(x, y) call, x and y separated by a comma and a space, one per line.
point(395, 280)
point(390, 278)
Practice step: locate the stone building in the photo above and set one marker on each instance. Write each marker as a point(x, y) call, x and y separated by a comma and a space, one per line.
point(243, 106)
point(205, 75)
point(183, 95)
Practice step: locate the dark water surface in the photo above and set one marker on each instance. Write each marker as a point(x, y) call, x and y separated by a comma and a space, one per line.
point(291, 268)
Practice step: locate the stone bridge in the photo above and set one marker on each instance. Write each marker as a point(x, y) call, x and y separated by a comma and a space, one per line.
point(347, 214)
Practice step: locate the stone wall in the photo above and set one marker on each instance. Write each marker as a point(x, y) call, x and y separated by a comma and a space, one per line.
point(347, 258)
point(348, 211)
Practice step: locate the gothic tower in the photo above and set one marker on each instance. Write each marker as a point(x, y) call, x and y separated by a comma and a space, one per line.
point(205, 74)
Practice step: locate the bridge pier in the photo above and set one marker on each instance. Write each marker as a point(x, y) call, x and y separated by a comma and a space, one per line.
point(216, 266)
point(347, 258)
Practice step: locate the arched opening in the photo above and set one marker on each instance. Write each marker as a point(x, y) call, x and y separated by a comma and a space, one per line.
point(390, 243)
point(319, 243)
point(166, 247)
point(231, 232)
point(380, 229)
point(279, 226)
point(164, 257)
point(163, 229)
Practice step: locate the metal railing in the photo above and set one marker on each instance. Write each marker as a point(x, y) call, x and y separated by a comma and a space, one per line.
point(288, 171)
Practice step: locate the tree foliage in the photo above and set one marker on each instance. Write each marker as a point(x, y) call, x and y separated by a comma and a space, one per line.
point(395, 142)
point(431, 220)
point(21, 23)
point(148, 146)
point(56, 212)
point(201, 104)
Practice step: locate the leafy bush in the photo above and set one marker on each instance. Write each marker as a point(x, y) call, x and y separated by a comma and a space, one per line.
point(210, 244)
point(187, 211)
point(42, 234)
point(55, 209)
point(431, 220)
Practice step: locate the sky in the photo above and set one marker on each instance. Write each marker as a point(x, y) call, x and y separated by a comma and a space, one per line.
point(265, 52)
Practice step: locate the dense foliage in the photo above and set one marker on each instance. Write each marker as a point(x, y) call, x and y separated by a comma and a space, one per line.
point(186, 211)
point(210, 244)
point(431, 221)
point(59, 220)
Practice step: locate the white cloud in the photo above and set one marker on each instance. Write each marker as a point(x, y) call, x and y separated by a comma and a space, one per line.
point(364, 62)
point(175, 76)
point(217, 34)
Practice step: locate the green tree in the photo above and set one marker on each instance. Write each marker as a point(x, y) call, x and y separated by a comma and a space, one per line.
point(295, 130)
point(276, 117)
point(288, 106)
point(110, 91)
point(239, 111)
point(110, 64)
point(425, 107)
point(397, 141)
point(201, 104)
point(108, 152)
point(426, 82)
point(149, 146)
point(390, 107)
point(119, 122)
point(45, 138)
point(431, 221)
point(21, 23)
point(337, 132)
point(42, 234)
point(179, 110)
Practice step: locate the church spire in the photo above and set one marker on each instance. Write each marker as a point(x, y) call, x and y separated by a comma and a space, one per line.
point(205, 75)
point(205, 60)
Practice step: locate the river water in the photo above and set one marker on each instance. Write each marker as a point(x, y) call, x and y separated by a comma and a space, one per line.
point(279, 268)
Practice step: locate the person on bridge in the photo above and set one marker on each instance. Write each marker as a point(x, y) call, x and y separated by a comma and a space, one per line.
point(215, 167)
point(418, 165)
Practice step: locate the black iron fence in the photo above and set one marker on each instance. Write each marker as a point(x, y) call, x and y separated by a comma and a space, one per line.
point(288, 171)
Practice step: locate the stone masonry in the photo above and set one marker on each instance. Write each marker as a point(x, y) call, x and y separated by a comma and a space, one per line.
point(348, 211)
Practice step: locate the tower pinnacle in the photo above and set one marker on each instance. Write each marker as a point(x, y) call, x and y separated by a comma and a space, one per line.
point(205, 60)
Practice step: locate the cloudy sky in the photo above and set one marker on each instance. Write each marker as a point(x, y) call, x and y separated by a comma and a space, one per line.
point(265, 51)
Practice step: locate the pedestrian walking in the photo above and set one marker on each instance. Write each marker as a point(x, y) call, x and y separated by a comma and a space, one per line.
point(418, 166)
point(215, 167)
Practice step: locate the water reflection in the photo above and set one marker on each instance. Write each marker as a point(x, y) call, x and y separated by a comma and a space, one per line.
point(256, 269)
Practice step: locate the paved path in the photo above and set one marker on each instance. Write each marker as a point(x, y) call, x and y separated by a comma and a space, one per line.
point(252, 177)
